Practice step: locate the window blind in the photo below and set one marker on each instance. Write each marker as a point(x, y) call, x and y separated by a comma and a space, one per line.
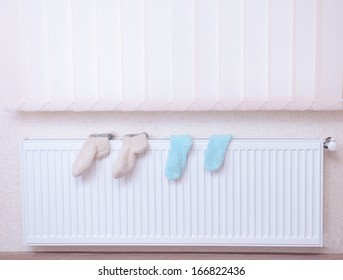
point(171, 55)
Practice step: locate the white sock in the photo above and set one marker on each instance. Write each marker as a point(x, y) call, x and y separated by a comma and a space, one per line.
point(93, 148)
point(132, 146)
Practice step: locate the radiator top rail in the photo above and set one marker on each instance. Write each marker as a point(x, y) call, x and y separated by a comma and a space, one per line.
point(329, 143)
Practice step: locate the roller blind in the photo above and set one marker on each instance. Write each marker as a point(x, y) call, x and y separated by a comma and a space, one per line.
point(171, 55)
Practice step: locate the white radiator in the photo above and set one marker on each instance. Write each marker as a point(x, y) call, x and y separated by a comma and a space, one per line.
point(268, 193)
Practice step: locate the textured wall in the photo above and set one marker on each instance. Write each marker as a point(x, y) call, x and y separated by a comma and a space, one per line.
point(16, 126)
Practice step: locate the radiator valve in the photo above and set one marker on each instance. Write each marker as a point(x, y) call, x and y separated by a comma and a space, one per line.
point(330, 144)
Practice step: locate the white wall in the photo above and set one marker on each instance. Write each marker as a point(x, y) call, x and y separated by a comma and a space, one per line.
point(16, 126)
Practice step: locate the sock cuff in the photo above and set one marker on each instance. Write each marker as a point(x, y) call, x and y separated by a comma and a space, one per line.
point(184, 140)
point(103, 146)
point(224, 138)
point(139, 143)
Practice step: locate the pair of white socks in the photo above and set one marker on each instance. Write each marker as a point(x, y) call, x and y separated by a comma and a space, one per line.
point(97, 147)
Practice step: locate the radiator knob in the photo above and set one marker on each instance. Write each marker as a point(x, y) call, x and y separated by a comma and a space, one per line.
point(332, 146)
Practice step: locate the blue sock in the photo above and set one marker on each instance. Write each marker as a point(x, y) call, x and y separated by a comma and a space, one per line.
point(216, 151)
point(180, 146)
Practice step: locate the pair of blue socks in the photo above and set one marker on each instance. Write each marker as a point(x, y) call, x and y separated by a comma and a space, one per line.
point(180, 145)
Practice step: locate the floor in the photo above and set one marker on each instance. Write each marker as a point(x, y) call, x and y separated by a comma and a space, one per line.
point(163, 256)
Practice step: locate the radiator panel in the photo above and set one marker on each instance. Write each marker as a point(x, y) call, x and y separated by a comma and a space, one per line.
point(268, 193)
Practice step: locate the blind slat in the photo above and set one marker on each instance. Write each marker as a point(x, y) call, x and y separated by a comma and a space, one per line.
point(171, 55)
